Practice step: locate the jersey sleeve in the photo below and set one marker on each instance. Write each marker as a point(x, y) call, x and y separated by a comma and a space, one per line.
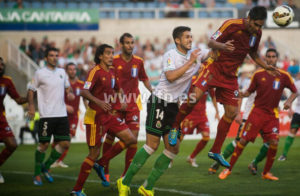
point(168, 62)
point(11, 90)
point(91, 80)
point(142, 73)
point(67, 82)
point(203, 55)
point(34, 84)
point(223, 33)
point(253, 84)
point(290, 83)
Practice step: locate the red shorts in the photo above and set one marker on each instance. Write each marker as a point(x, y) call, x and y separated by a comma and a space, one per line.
point(192, 121)
point(226, 89)
point(5, 130)
point(259, 120)
point(132, 119)
point(73, 122)
point(95, 131)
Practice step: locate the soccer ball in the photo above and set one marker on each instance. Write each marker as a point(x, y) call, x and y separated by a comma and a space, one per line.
point(283, 15)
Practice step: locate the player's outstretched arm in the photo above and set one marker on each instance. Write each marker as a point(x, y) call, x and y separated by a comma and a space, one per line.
point(148, 85)
point(227, 46)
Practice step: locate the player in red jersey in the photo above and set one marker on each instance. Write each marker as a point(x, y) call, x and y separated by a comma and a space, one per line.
point(234, 40)
point(72, 108)
point(98, 89)
point(264, 115)
point(6, 134)
point(197, 119)
point(129, 70)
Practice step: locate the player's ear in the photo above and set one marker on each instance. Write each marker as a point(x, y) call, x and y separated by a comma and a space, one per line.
point(177, 41)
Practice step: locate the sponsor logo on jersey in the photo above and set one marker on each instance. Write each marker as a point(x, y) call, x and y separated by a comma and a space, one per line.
point(87, 85)
point(276, 84)
point(216, 35)
point(2, 90)
point(120, 67)
point(204, 82)
point(134, 71)
point(169, 61)
point(7, 129)
point(252, 40)
point(113, 82)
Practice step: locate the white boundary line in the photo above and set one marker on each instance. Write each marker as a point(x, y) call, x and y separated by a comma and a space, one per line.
point(98, 181)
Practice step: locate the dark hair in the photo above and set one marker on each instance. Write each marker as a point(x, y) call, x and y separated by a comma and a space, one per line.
point(99, 51)
point(178, 31)
point(258, 13)
point(69, 64)
point(123, 37)
point(272, 50)
point(49, 50)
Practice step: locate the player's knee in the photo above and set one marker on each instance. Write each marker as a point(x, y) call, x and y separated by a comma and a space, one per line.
point(12, 147)
point(42, 147)
point(293, 132)
point(64, 145)
point(243, 142)
point(273, 142)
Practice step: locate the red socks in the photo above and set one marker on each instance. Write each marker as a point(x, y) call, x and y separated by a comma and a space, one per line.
point(111, 153)
point(201, 144)
point(270, 158)
point(236, 154)
point(108, 143)
point(131, 150)
point(223, 128)
point(85, 171)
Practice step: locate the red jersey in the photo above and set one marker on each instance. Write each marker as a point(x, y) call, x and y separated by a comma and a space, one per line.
point(228, 63)
point(6, 87)
point(102, 84)
point(76, 87)
point(128, 75)
point(269, 89)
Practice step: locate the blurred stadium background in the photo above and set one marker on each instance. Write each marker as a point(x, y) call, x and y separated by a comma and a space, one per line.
point(76, 27)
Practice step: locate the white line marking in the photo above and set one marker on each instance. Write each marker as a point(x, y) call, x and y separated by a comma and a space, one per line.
point(98, 181)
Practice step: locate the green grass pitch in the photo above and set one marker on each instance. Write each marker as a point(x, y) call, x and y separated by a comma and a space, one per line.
point(181, 179)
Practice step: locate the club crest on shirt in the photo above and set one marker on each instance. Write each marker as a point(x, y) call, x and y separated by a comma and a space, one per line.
point(276, 84)
point(134, 71)
point(158, 124)
point(2, 90)
point(216, 35)
point(87, 85)
point(135, 118)
point(236, 93)
point(120, 67)
point(204, 82)
point(252, 40)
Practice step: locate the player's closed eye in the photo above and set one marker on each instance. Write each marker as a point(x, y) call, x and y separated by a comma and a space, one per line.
point(271, 56)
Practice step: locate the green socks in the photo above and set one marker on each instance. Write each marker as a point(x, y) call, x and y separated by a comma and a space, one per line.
point(39, 158)
point(228, 150)
point(160, 166)
point(262, 154)
point(288, 142)
point(53, 157)
point(138, 161)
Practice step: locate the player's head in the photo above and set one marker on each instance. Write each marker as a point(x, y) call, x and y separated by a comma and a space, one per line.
point(104, 54)
point(2, 67)
point(127, 43)
point(71, 70)
point(51, 55)
point(256, 18)
point(182, 37)
point(272, 56)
